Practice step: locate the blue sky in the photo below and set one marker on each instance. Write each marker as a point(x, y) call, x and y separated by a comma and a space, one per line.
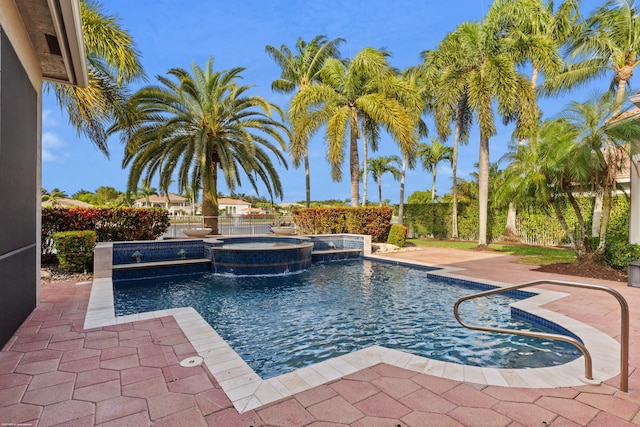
point(172, 33)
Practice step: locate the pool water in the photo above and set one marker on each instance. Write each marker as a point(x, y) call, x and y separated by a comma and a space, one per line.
point(281, 323)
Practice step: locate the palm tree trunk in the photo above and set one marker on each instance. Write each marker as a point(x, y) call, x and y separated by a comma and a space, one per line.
point(597, 213)
point(510, 231)
point(210, 207)
point(307, 176)
point(534, 76)
point(364, 165)
point(620, 92)
point(604, 223)
point(510, 228)
point(583, 227)
point(483, 189)
point(433, 186)
point(577, 244)
point(354, 161)
point(454, 169)
point(402, 177)
point(380, 190)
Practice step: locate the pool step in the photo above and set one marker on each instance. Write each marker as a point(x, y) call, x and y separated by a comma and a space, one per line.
point(160, 263)
point(336, 254)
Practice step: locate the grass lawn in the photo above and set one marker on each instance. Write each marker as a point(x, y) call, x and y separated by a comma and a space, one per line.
point(530, 254)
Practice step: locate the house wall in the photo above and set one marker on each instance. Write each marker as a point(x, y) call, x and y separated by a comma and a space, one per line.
point(20, 172)
point(634, 209)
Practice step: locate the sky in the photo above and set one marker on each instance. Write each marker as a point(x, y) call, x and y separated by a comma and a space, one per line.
point(171, 33)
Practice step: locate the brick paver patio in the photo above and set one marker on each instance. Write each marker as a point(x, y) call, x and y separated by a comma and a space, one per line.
point(52, 372)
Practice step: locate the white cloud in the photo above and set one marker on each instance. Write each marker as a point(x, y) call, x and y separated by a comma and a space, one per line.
point(51, 146)
point(48, 118)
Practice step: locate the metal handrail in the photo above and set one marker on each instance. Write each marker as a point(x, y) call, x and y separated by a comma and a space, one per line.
point(624, 324)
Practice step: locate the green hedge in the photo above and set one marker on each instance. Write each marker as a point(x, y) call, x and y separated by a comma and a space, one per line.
point(618, 251)
point(74, 249)
point(109, 224)
point(534, 224)
point(374, 221)
point(397, 235)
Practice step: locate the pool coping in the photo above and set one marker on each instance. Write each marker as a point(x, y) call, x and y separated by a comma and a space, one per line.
point(247, 390)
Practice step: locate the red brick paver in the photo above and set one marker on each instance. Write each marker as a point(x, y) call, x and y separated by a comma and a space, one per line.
point(52, 372)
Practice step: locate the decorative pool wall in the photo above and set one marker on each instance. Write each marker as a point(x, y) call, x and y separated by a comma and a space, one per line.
point(143, 259)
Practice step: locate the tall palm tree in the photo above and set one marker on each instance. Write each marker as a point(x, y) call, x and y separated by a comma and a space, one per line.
point(608, 42)
point(431, 155)
point(364, 86)
point(193, 124)
point(112, 62)
point(535, 33)
point(413, 78)
point(447, 109)
point(378, 166)
point(299, 71)
point(486, 73)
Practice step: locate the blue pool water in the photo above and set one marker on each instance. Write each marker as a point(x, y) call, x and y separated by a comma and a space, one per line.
point(281, 323)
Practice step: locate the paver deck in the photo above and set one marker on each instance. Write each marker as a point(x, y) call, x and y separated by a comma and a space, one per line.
point(55, 372)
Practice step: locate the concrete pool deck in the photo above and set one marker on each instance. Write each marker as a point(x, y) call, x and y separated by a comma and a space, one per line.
point(53, 371)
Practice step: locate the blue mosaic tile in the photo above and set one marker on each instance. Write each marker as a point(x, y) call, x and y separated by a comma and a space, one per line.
point(138, 273)
point(164, 250)
point(320, 256)
point(519, 294)
point(516, 312)
point(405, 264)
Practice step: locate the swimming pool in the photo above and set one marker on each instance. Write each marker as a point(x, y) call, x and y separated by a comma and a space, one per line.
point(279, 324)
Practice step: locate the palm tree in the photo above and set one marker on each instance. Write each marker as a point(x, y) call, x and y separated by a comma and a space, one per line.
point(196, 123)
point(609, 42)
point(431, 155)
point(607, 142)
point(535, 33)
point(53, 198)
point(413, 77)
point(447, 109)
point(112, 63)
point(299, 71)
point(544, 173)
point(381, 165)
point(364, 86)
point(146, 191)
point(485, 72)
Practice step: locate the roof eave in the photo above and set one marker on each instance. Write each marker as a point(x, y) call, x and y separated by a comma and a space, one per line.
point(67, 21)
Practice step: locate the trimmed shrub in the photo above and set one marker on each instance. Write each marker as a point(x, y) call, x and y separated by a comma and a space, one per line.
point(374, 221)
point(397, 235)
point(109, 224)
point(75, 249)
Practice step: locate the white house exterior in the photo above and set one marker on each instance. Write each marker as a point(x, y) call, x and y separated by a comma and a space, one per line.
point(633, 181)
point(175, 204)
point(233, 206)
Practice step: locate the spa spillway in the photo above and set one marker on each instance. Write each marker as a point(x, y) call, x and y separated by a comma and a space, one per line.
point(260, 255)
